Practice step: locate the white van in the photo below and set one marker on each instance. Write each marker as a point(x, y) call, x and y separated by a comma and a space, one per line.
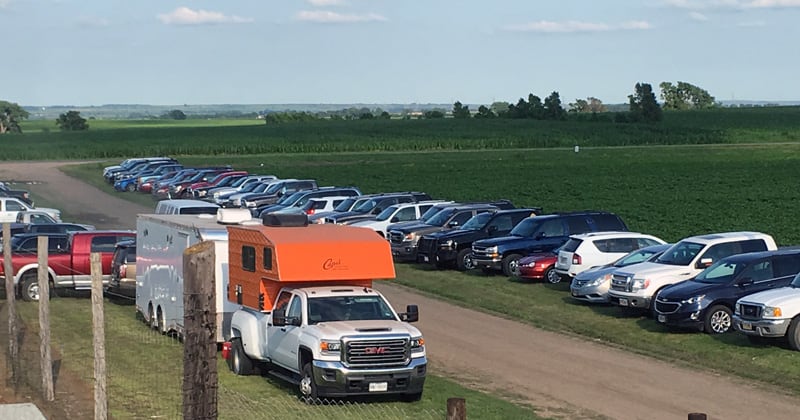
point(186, 207)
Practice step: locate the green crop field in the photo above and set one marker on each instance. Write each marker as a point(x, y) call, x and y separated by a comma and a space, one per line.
point(722, 170)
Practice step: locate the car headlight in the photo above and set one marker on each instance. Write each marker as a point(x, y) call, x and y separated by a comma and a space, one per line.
point(694, 299)
point(737, 308)
point(600, 280)
point(639, 284)
point(772, 312)
point(417, 344)
point(448, 244)
point(330, 347)
point(491, 250)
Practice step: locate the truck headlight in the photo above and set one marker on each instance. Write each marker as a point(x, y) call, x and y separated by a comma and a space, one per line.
point(410, 236)
point(448, 244)
point(330, 346)
point(639, 284)
point(772, 312)
point(417, 344)
point(694, 299)
point(737, 309)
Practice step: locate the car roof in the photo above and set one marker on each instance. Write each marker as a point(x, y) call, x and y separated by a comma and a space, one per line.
point(751, 256)
point(725, 236)
point(610, 234)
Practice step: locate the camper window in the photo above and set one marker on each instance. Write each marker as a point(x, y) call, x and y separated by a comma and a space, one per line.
point(248, 258)
point(268, 259)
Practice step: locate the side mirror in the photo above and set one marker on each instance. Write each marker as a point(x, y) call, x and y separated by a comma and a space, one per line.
point(452, 224)
point(279, 320)
point(539, 235)
point(705, 262)
point(411, 314)
point(394, 220)
point(744, 281)
point(492, 229)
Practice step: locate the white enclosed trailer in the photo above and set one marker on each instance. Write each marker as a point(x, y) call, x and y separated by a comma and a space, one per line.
point(161, 240)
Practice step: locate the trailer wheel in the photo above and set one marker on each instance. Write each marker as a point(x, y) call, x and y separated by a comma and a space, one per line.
point(308, 387)
point(29, 287)
point(151, 317)
point(161, 322)
point(240, 363)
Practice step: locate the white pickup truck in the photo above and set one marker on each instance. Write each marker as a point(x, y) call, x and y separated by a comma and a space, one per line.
point(309, 314)
point(637, 285)
point(770, 314)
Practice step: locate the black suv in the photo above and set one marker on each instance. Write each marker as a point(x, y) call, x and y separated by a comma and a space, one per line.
point(376, 203)
point(539, 234)
point(453, 247)
point(706, 302)
point(404, 240)
point(123, 270)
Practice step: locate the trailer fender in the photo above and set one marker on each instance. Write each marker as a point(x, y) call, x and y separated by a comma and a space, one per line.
point(245, 326)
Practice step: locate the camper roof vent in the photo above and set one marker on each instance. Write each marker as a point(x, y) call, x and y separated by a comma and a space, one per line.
point(285, 220)
point(233, 216)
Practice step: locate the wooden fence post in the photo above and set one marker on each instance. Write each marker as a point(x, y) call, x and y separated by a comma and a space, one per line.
point(199, 344)
point(98, 324)
point(44, 321)
point(11, 304)
point(456, 409)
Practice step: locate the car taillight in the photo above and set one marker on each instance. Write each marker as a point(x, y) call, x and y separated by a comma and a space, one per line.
point(576, 259)
point(310, 211)
point(123, 271)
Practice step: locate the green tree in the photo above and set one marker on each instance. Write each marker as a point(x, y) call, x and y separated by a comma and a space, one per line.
point(10, 116)
point(685, 96)
point(72, 121)
point(433, 114)
point(579, 106)
point(499, 108)
point(536, 109)
point(175, 114)
point(484, 112)
point(643, 105)
point(553, 109)
point(460, 111)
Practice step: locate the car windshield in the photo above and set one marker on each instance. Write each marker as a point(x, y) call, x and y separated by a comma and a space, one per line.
point(366, 206)
point(348, 308)
point(433, 211)
point(635, 257)
point(251, 187)
point(227, 181)
point(294, 198)
point(525, 227)
point(387, 213)
point(440, 218)
point(796, 282)
point(720, 272)
point(240, 181)
point(274, 188)
point(345, 205)
point(681, 253)
point(477, 222)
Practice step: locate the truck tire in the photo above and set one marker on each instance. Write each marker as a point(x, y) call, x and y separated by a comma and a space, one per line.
point(308, 386)
point(718, 320)
point(794, 334)
point(240, 363)
point(464, 260)
point(511, 265)
point(551, 276)
point(29, 287)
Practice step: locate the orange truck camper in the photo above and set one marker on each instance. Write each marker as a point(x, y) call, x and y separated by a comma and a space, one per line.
point(264, 259)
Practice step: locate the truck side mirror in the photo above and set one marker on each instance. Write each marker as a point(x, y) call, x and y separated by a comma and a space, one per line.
point(744, 281)
point(705, 262)
point(279, 320)
point(492, 229)
point(411, 314)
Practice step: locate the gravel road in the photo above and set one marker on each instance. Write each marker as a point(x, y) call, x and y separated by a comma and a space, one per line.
point(566, 377)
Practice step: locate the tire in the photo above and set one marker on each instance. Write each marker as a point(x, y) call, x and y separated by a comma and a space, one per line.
point(161, 322)
point(464, 260)
point(718, 320)
point(793, 335)
point(551, 276)
point(29, 287)
point(240, 363)
point(151, 318)
point(308, 386)
point(511, 265)
point(414, 397)
point(130, 187)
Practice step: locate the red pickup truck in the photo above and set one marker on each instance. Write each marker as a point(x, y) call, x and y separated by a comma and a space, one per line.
point(68, 268)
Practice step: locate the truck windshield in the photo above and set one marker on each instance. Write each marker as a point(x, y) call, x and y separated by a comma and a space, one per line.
point(348, 308)
point(441, 218)
point(681, 253)
point(387, 213)
point(478, 221)
point(526, 227)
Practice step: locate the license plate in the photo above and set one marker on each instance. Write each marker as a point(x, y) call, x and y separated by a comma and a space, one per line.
point(747, 326)
point(425, 258)
point(623, 302)
point(662, 319)
point(378, 386)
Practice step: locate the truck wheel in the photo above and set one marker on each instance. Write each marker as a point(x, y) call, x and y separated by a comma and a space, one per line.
point(794, 334)
point(718, 320)
point(308, 387)
point(511, 265)
point(464, 260)
point(240, 363)
point(551, 276)
point(414, 397)
point(29, 287)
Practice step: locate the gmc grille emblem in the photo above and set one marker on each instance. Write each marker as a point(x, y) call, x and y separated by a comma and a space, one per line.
point(374, 350)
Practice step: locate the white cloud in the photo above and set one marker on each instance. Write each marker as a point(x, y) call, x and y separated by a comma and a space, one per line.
point(324, 16)
point(324, 3)
point(731, 4)
point(576, 26)
point(698, 16)
point(187, 16)
point(4, 3)
point(771, 4)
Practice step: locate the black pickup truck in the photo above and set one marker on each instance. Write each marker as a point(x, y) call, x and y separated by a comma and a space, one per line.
point(23, 195)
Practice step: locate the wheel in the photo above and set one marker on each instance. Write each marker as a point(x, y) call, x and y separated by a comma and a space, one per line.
point(718, 320)
point(240, 363)
point(29, 287)
point(416, 396)
point(130, 187)
point(308, 386)
point(511, 265)
point(551, 276)
point(151, 317)
point(464, 260)
point(161, 322)
point(794, 334)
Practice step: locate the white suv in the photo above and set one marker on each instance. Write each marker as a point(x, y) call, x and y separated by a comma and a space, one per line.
point(582, 252)
point(638, 285)
point(396, 213)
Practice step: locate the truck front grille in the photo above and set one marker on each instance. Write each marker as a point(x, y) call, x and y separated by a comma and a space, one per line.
point(396, 237)
point(620, 283)
point(751, 311)
point(383, 352)
point(427, 246)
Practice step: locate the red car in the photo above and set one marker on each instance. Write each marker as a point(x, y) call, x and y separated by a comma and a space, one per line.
point(540, 266)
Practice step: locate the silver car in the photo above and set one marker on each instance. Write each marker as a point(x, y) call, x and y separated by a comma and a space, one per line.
point(592, 285)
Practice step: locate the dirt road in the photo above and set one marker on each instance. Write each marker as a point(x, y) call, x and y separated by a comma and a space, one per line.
point(566, 377)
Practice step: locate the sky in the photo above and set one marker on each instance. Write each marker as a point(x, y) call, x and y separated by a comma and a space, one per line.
point(165, 52)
